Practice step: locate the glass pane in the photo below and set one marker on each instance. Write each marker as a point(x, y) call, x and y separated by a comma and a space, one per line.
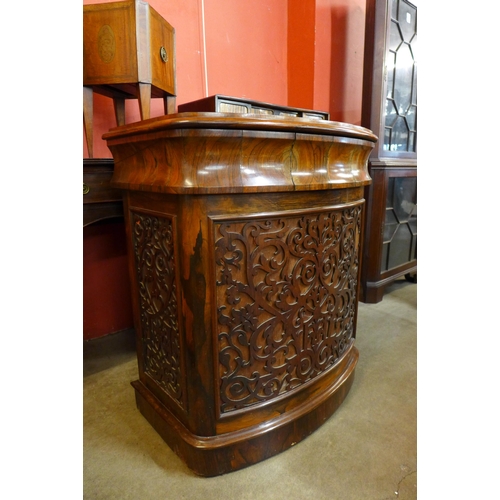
point(400, 247)
point(401, 83)
point(400, 226)
point(387, 138)
point(399, 137)
point(413, 46)
point(389, 231)
point(390, 217)
point(403, 79)
point(390, 113)
point(407, 18)
point(411, 142)
point(385, 249)
point(395, 38)
point(391, 67)
point(390, 193)
point(394, 10)
point(411, 118)
point(414, 93)
point(413, 225)
point(405, 197)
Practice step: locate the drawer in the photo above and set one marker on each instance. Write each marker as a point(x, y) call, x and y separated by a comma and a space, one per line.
point(97, 176)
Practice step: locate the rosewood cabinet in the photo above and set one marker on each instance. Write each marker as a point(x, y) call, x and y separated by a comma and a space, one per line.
point(244, 241)
point(390, 110)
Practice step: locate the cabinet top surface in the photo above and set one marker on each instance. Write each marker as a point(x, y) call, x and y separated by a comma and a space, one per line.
point(233, 121)
point(215, 153)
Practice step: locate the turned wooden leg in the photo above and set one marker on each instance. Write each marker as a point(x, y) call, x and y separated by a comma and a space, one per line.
point(119, 105)
point(88, 118)
point(145, 100)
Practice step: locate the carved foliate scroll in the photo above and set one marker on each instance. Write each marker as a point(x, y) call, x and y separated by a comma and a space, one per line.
point(286, 295)
point(153, 239)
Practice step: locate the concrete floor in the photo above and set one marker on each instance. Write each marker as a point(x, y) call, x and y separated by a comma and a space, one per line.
point(366, 450)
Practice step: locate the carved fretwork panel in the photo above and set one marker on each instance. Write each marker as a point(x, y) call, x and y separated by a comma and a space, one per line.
point(286, 300)
point(153, 240)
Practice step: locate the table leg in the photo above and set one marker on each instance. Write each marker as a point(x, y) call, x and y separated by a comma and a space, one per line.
point(119, 105)
point(88, 118)
point(145, 100)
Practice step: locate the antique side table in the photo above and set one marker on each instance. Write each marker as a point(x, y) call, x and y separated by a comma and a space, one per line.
point(128, 53)
point(244, 240)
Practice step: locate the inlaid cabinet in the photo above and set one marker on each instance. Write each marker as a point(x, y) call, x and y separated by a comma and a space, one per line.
point(128, 53)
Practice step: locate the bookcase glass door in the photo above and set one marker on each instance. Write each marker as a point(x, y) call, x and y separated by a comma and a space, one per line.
point(400, 229)
point(390, 110)
point(400, 132)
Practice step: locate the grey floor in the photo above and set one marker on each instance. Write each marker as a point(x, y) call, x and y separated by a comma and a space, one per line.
point(366, 450)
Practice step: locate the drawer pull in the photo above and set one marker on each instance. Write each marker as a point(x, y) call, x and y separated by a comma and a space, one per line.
point(163, 54)
point(86, 189)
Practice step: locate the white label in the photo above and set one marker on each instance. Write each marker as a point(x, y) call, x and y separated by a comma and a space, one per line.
point(408, 17)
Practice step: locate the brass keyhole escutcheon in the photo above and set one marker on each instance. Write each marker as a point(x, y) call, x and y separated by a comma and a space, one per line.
point(163, 54)
point(86, 189)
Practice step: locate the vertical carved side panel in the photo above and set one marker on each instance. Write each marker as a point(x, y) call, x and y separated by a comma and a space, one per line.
point(286, 300)
point(153, 240)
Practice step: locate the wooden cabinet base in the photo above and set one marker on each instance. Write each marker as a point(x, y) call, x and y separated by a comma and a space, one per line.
point(373, 292)
point(215, 455)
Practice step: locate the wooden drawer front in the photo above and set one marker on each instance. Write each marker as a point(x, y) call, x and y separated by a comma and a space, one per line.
point(109, 43)
point(122, 44)
point(96, 185)
point(162, 61)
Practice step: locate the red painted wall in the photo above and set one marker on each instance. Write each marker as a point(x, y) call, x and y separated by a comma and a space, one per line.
point(305, 53)
point(301, 53)
point(325, 56)
point(246, 47)
point(339, 54)
point(107, 305)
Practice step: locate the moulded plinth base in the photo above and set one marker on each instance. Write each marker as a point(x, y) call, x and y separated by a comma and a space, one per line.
point(373, 292)
point(220, 454)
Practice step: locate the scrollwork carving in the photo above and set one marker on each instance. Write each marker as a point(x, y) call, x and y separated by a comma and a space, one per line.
point(286, 295)
point(153, 241)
